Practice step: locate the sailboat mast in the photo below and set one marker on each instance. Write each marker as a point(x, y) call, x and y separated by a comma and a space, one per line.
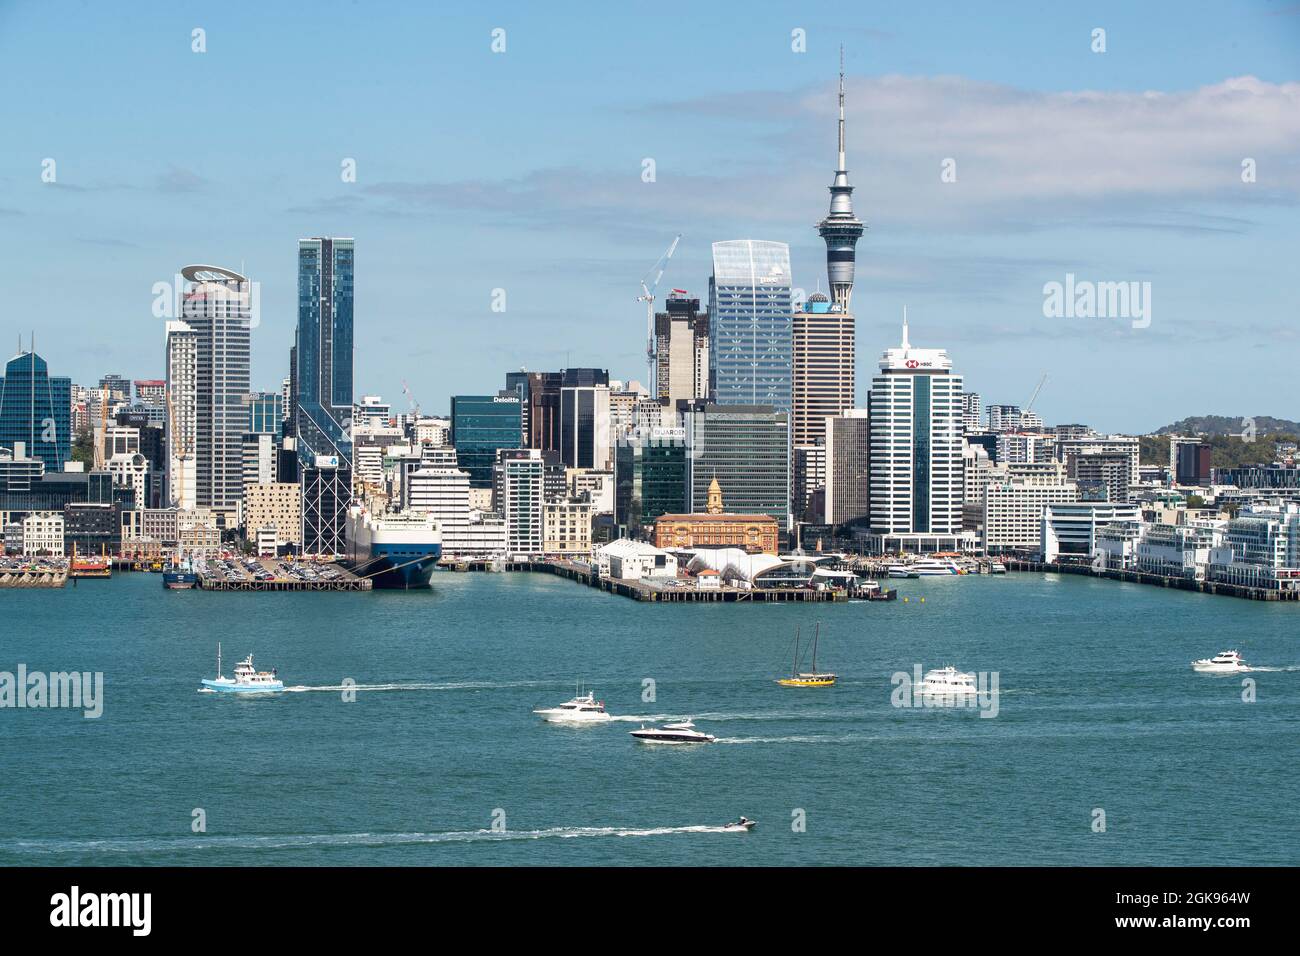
point(794, 667)
point(218, 658)
point(816, 632)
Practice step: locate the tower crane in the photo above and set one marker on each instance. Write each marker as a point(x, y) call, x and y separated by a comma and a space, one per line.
point(414, 405)
point(1033, 398)
point(648, 297)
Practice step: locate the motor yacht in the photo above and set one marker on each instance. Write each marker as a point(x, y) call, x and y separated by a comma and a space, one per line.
point(580, 710)
point(1224, 662)
point(947, 682)
point(682, 732)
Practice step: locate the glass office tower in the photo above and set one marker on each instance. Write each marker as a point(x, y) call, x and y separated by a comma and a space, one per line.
point(36, 409)
point(750, 332)
point(481, 424)
point(323, 352)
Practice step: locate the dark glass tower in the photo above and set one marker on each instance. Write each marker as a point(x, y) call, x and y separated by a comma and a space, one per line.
point(36, 409)
point(323, 352)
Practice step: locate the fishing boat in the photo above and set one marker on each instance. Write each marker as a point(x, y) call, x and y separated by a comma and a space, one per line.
point(180, 574)
point(813, 678)
point(247, 679)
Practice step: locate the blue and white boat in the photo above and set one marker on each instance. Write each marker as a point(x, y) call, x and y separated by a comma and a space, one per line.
point(180, 575)
point(247, 679)
point(395, 549)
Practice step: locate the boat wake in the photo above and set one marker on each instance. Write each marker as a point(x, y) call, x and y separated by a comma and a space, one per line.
point(408, 685)
point(1275, 670)
point(798, 739)
point(291, 841)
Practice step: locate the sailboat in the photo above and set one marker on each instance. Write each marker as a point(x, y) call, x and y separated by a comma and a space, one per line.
point(807, 678)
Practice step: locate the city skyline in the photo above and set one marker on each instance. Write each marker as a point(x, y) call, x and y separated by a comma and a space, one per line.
point(565, 227)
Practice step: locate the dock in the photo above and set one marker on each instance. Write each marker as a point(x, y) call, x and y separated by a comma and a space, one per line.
point(1155, 580)
point(304, 577)
point(674, 590)
point(36, 573)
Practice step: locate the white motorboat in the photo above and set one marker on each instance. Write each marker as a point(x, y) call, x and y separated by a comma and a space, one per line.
point(948, 682)
point(997, 567)
point(682, 732)
point(580, 710)
point(902, 571)
point(1224, 662)
point(743, 825)
point(933, 567)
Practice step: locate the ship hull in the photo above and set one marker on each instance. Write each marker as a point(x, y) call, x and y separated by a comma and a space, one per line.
point(179, 580)
point(401, 566)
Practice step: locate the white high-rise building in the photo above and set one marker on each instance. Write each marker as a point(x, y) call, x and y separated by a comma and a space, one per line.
point(916, 463)
point(218, 306)
point(182, 383)
point(522, 484)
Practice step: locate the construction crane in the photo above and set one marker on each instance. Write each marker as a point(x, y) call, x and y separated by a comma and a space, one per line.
point(648, 297)
point(1033, 398)
point(414, 405)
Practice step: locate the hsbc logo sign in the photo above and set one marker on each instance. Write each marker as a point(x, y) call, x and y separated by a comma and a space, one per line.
point(913, 363)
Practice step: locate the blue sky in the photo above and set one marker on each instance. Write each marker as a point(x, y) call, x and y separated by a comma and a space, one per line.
point(522, 171)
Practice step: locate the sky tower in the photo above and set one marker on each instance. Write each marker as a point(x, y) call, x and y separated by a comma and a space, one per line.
point(841, 229)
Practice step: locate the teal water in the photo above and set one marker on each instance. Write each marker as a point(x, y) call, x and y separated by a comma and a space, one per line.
point(1098, 709)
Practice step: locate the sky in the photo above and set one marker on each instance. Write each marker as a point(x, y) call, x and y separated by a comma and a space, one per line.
point(994, 150)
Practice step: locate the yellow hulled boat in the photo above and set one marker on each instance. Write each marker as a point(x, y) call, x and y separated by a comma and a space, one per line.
point(813, 678)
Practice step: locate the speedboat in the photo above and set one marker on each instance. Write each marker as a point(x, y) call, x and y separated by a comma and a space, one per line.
point(682, 732)
point(580, 710)
point(743, 825)
point(247, 679)
point(1224, 662)
point(947, 682)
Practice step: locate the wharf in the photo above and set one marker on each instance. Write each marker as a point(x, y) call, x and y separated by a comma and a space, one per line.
point(671, 589)
point(322, 577)
point(34, 576)
point(1156, 580)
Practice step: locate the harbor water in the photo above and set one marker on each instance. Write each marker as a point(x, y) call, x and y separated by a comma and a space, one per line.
point(440, 761)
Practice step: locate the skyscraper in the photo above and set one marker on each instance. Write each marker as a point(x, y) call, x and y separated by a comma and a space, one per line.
point(916, 466)
point(481, 425)
point(848, 467)
point(322, 385)
point(323, 352)
point(681, 351)
point(746, 448)
point(36, 409)
point(182, 395)
point(217, 306)
point(585, 426)
point(750, 323)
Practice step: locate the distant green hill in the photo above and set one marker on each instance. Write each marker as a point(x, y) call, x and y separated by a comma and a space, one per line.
point(1227, 450)
point(1229, 425)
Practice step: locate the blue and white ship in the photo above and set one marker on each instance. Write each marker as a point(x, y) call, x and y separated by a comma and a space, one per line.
point(180, 575)
point(395, 549)
point(247, 679)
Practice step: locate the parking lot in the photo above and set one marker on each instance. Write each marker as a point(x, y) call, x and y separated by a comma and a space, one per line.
point(244, 570)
